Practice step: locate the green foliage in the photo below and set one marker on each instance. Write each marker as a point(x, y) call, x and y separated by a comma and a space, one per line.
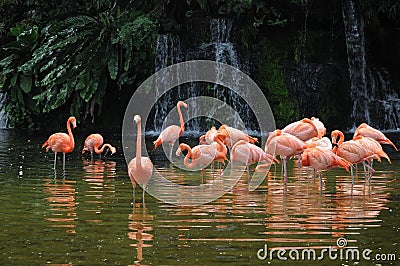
point(271, 77)
point(17, 83)
point(389, 8)
point(72, 61)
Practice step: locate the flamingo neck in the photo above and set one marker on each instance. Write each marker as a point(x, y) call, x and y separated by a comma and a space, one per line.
point(71, 136)
point(182, 123)
point(138, 146)
point(188, 156)
point(221, 148)
point(99, 151)
point(341, 138)
point(309, 121)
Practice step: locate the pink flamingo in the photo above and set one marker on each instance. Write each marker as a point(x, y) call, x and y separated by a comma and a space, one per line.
point(374, 148)
point(233, 135)
point(304, 129)
point(322, 143)
point(61, 142)
point(201, 156)
point(140, 168)
point(171, 133)
point(208, 138)
point(320, 127)
point(351, 151)
point(322, 159)
point(285, 145)
point(93, 142)
point(368, 131)
point(249, 154)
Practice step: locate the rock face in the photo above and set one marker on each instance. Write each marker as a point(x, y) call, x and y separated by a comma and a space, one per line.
point(321, 90)
point(319, 86)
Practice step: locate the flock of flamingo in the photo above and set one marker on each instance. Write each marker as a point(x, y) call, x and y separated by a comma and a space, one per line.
point(304, 139)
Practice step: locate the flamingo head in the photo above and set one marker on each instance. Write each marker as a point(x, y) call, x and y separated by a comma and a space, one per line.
point(137, 118)
point(304, 159)
point(72, 120)
point(363, 125)
point(113, 150)
point(178, 152)
point(84, 149)
point(181, 103)
point(334, 136)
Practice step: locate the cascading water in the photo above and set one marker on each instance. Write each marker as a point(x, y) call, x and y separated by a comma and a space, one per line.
point(220, 49)
point(355, 42)
point(3, 114)
point(383, 101)
point(374, 101)
point(168, 52)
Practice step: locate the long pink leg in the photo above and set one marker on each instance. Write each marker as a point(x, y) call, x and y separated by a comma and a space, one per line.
point(55, 160)
point(284, 169)
point(63, 161)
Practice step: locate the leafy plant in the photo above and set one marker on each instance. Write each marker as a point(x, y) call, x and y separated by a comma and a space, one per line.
point(74, 60)
point(17, 83)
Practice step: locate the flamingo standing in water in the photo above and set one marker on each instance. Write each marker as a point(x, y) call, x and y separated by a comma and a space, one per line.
point(322, 159)
point(374, 148)
point(171, 133)
point(201, 156)
point(249, 154)
point(140, 168)
point(368, 131)
point(233, 135)
point(304, 129)
point(208, 138)
point(351, 150)
point(93, 142)
point(61, 142)
point(285, 145)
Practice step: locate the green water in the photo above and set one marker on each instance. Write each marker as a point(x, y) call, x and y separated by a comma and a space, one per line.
point(86, 216)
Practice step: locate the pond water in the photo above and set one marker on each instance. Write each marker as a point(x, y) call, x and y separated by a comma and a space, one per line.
point(87, 216)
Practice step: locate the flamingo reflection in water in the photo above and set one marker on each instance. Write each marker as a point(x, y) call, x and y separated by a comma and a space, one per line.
point(140, 228)
point(298, 216)
point(61, 198)
point(98, 175)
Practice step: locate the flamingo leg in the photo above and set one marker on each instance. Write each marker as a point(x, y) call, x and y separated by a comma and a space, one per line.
point(320, 182)
point(248, 173)
point(144, 204)
point(55, 160)
point(63, 161)
point(91, 156)
point(284, 169)
point(371, 171)
point(202, 175)
point(171, 147)
point(352, 176)
point(133, 196)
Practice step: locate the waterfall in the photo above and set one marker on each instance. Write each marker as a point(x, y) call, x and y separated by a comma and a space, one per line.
point(3, 114)
point(218, 48)
point(168, 52)
point(374, 101)
point(355, 42)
